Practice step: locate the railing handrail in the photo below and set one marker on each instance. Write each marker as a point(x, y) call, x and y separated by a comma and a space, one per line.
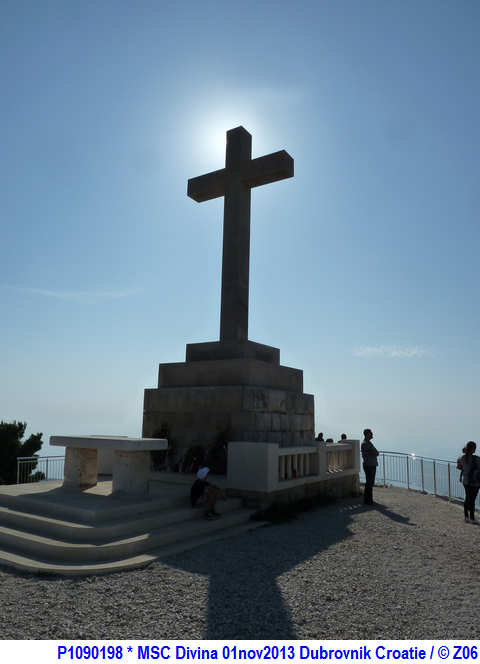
point(300, 449)
point(416, 456)
point(44, 466)
point(431, 475)
point(39, 458)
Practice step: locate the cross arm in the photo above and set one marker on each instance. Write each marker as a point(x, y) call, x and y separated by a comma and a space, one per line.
point(270, 168)
point(206, 187)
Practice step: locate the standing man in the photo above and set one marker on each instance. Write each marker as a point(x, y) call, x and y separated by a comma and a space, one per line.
point(370, 463)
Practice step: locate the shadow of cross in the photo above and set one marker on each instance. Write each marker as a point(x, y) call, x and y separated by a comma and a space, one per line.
point(234, 182)
point(248, 575)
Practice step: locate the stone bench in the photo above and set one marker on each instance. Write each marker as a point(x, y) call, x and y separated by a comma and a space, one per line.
point(131, 465)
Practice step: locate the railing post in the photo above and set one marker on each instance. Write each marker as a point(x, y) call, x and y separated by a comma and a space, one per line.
point(18, 471)
point(449, 487)
point(46, 472)
point(408, 475)
point(423, 479)
point(434, 479)
point(384, 478)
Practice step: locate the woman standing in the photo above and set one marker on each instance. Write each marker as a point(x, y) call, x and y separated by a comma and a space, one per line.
point(468, 463)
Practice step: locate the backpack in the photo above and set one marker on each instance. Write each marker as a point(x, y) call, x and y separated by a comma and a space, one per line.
point(474, 473)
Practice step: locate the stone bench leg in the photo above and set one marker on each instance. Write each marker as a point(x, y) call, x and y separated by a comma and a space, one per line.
point(130, 472)
point(80, 467)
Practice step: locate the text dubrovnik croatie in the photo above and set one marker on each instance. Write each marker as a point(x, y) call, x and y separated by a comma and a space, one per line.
point(328, 651)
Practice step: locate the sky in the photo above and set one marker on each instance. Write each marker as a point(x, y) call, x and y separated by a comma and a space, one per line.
point(364, 267)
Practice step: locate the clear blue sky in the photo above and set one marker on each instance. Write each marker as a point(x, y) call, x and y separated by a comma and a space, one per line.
point(364, 266)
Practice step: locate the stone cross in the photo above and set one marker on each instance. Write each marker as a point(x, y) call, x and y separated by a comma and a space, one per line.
point(234, 182)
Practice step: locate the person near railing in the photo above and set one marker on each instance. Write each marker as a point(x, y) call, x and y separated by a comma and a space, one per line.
point(370, 463)
point(468, 463)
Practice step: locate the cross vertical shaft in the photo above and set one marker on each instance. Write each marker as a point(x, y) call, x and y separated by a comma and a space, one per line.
point(235, 182)
point(236, 241)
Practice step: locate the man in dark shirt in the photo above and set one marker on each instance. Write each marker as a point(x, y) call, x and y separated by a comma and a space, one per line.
point(204, 494)
point(370, 463)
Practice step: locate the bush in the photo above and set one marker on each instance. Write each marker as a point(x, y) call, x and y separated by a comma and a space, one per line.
point(216, 457)
point(159, 457)
point(11, 447)
point(192, 459)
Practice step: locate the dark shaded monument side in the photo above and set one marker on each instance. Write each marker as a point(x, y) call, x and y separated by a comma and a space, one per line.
point(233, 383)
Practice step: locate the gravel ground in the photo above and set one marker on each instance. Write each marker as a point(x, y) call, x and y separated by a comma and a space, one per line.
point(407, 569)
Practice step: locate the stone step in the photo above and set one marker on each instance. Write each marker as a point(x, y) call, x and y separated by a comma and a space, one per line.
point(93, 505)
point(170, 510)
point(36, 565)
point(115, 548)
point(185, 479)
point(47, 529)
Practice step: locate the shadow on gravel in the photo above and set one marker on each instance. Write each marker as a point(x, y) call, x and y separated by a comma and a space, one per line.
point(245, 601)
point(394, 516)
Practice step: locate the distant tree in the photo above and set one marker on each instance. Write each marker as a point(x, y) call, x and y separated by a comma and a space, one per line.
point(11, 447)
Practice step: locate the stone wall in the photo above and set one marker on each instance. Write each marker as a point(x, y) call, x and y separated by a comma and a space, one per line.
point(335, 488)
point(195, 415)
point(263, 473)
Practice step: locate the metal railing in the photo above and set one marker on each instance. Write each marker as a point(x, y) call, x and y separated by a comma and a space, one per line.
point(436, 476)
point(39, 469)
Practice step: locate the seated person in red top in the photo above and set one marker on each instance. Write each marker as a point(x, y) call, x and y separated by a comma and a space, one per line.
point(204, 494)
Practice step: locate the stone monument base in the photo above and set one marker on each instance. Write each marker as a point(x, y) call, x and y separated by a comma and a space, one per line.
point(255, 400)
point(232, 350)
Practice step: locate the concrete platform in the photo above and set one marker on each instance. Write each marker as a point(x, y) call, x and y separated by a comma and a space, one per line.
point(50, 529)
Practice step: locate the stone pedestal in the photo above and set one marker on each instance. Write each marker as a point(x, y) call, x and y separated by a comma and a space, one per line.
point(130, 472)
point(238, 349)
point(80, 467)
point(257, 401)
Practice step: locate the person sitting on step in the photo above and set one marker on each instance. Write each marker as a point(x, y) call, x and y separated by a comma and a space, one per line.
point(204, 494)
